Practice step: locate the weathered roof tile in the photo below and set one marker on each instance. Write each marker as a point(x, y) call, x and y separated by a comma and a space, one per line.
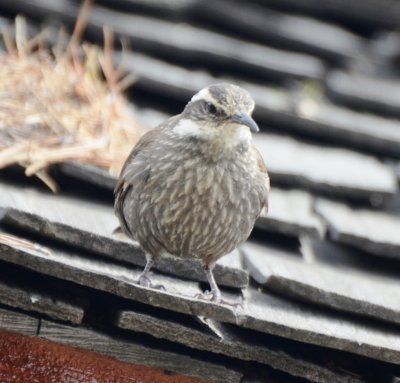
point(348, 290)
point(370, 230)
point(290, 212)
point(225, 340)
point(32, 299)
point(271, 314)
point(331, 170)
point(185, 42)
point(366, 92)
point(18, 322)
point(372, 13)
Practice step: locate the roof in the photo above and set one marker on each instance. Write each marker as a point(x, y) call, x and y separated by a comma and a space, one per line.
point(317, 284)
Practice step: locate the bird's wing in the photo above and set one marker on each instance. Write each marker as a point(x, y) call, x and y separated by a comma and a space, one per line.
point(124, 184)
point(133, 172)
point(266, 184)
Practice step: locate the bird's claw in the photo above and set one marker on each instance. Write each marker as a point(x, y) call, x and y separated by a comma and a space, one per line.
point(215, 297)
point(145, 281)
point(212, 296)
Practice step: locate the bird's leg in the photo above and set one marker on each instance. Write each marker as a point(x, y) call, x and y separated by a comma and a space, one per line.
point(215, 293)
point(144, 279)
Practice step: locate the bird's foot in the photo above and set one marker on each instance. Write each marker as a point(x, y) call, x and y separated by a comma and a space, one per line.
point(215, 297)
point(212, 296)
point(145, 281)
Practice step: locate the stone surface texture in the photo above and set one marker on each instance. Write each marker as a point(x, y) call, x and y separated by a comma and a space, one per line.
point(373, 231)
point(356, 292)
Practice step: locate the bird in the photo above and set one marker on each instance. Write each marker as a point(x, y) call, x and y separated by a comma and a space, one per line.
point(194, 186)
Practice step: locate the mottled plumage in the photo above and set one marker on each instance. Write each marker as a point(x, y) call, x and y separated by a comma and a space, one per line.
point(194, 186)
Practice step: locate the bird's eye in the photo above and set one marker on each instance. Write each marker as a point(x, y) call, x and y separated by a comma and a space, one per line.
point(211, 108)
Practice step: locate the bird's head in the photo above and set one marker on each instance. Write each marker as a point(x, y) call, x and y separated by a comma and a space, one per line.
point(219, 110)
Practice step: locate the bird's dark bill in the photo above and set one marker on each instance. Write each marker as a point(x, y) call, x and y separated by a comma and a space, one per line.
point(244, 119)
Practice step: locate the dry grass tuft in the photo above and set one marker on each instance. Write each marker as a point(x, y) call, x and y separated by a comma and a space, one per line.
point(56, 106)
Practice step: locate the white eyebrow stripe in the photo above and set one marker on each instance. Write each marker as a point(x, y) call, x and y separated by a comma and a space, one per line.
point(204, 94)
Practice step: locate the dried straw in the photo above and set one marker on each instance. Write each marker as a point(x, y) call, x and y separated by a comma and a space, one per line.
point(56, 106)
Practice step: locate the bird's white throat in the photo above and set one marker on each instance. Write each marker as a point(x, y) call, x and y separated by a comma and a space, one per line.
point(226, 135)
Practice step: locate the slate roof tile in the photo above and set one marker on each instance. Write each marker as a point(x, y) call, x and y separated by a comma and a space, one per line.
point(274, 315)
point(290, 212)
point(227, 341)
point(28, 297)
point(362, 91)
point(337, 171)
point(370, 13)
point(293, 32)
point(18, 322)
point(373, 231)
point(185, 42)
point(348, 290)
